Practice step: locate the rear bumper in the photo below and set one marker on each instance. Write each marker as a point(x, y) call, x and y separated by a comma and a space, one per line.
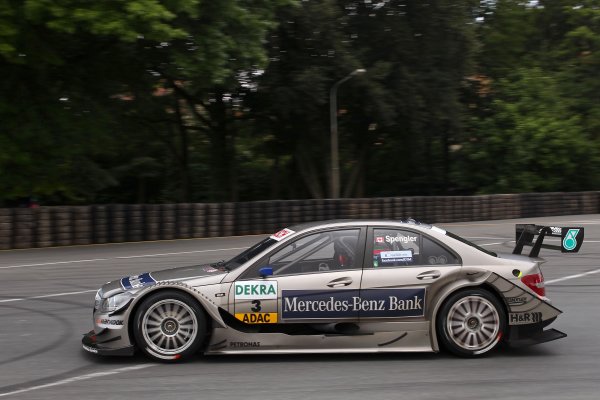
point(96, 343)
point(528, 335)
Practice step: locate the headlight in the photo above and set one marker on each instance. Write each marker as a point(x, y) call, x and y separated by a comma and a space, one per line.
point(115, 302)
point(98, 299)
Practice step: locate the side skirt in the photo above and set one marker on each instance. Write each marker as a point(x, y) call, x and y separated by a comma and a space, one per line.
point(231, 341)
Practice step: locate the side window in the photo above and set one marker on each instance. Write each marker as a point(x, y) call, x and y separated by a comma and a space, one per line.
point(435, 254)
point(319, 252)
point(395, 248)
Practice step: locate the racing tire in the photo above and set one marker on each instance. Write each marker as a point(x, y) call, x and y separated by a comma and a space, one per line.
point(169, 326)
point(471, 323)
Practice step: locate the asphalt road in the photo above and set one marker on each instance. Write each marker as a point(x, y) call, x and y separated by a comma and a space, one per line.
point(46, 297)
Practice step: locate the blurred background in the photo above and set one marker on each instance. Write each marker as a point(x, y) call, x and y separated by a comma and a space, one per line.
point(165, 101)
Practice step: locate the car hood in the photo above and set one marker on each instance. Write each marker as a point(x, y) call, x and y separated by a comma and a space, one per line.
point(201, 274)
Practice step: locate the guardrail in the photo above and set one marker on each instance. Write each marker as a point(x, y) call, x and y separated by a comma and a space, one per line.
point(77, 225)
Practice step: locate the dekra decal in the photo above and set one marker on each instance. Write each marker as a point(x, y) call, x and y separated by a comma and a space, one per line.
point(251, 290)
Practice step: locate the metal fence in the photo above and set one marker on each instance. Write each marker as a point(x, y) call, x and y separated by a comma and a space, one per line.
point(76, 225)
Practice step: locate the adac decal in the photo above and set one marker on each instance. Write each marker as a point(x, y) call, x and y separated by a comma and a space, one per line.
point(366, 303)
point(248, 290)
point(257, 318)
point(137, 281)
point(524, 318)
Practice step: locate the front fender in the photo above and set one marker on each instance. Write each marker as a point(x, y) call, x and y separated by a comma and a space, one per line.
point(205, 301)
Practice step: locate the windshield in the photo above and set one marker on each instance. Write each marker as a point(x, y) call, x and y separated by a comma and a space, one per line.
point(465, 241)
point(249, 253)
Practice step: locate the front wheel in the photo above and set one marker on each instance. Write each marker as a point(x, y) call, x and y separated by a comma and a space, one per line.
point(169, 326)
point(471, 323)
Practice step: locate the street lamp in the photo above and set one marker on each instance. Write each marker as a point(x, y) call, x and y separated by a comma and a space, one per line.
point(335, 161)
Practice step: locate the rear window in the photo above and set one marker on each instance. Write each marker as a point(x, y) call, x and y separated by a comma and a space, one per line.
point(465, 241)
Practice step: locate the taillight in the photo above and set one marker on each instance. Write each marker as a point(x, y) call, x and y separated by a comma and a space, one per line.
point(536, 283)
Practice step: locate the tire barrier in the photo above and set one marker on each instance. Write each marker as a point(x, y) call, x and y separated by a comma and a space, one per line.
point(22, 228)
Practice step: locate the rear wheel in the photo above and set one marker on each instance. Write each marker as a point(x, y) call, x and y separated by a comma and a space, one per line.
point(169, 326)
point(471, 323)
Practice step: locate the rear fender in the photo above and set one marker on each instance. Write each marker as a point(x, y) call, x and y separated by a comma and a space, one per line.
point(523, 308)
point(468, 278)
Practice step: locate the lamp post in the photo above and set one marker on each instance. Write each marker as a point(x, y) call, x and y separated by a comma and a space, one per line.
point(335, 160)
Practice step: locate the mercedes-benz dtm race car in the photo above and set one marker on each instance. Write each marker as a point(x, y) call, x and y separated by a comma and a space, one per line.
point(337, 286)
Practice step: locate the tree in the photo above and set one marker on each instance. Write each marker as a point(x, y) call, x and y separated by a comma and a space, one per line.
point(126, 74)
point(528, 141)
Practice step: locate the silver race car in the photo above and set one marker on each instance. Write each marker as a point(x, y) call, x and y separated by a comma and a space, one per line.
point(338, 286)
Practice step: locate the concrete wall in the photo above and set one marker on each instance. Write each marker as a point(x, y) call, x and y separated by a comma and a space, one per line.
point(72, 225)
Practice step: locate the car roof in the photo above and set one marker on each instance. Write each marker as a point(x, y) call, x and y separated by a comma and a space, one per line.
point(357, 222)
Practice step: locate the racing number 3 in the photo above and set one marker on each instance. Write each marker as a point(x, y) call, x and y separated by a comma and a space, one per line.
point(257, 306)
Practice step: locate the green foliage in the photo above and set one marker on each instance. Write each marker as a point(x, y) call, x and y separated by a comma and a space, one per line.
point(198, 100)
point(528, 141)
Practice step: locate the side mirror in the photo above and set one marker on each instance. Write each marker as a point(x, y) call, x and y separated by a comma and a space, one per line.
point(265, 271)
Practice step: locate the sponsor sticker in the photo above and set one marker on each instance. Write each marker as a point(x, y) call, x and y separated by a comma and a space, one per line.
point(90, 349)
point(257, 318)
point(570, 239)
point(366, 303)
point(405, 239)
point(282, 234)
point(244, 344)
point(249, 290)
point(516, 301)
point(110, 323)
point(524, 318)
point(137, 281)
point(396, 256)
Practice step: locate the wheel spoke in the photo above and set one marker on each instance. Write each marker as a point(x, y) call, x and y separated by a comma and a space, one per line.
point(180, 313)
point(180, 320)
point(472, 323)
point(480, 337)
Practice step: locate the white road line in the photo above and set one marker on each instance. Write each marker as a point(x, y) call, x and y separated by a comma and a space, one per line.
point(484, 237)
point(44, 296)
point(53, 263)
point(181, 252)
point(566, 278)
point(121, 257)
point(550, 240)
point(78, 378)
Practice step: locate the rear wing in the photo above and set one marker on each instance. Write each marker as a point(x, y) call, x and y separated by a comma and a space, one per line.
point(571, 238)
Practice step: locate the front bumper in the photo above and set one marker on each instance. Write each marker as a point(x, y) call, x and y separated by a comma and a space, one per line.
point(100, 343)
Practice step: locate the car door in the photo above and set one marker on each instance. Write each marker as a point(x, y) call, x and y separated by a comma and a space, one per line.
point(404, 269)
point(316, 276)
